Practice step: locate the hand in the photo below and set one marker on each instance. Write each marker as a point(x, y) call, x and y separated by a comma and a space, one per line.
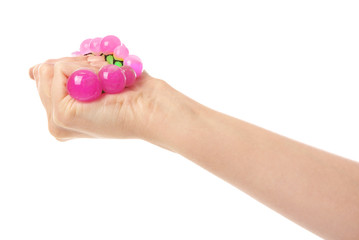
point(134, 113)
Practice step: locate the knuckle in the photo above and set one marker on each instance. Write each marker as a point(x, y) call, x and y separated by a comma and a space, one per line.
point(59, 65)
point(160, 86)
point(45, 70)
point(51, 60)
point(55, 130)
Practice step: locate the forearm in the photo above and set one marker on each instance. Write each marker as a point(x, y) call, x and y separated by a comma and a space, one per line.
point(315, 189)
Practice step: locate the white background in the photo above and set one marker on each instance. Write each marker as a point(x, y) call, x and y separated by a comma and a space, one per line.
point(289, 66)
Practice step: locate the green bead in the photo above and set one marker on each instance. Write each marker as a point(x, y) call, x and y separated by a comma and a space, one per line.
point(110, 59)
point(118, 63)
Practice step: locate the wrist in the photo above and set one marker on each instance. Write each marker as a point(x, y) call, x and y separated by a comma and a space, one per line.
point(175, 116)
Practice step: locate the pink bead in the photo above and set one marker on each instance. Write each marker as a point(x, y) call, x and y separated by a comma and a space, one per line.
point(135, 63)
point(76, 54)
point(109, 43)
point(129, 74)
point(120, 52)
point(84, 85)
point(113, 78)
point(85, 46)
point(95, 46)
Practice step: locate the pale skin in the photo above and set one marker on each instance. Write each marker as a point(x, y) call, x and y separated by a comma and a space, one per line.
point(316, 189)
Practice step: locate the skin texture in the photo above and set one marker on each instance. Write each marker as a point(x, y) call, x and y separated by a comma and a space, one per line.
point(315, 189)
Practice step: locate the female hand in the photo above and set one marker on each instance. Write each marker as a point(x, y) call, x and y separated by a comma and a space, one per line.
point(294, 179)
point(134, 113)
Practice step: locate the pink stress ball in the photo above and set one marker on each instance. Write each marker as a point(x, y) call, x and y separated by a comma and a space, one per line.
point(129, 74)
point(135, 63)
point(120, 52)
point(113, 78)
point(84, 85)
point(109, 43)
point(95, 46)
point(85, 46)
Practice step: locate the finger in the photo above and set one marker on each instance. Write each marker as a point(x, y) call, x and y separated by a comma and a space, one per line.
point(36, 75)
point(53, 61)
point(67, 59)
point(44, 77)
point(32, 71)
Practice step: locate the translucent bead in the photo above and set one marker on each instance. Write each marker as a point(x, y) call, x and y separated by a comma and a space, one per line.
point(109, 59)
point(130, 75)
point(95, 46)
point(84, 85)
point(76, 54)
point(85, 46)
point(109, 43)
point(118, 63)
point(120, 52)
point(112, 78)
point(135, 63)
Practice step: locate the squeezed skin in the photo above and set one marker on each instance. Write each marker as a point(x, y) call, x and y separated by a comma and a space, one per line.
point(314, 188)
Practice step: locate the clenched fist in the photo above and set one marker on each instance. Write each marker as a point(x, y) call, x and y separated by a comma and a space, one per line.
point(138, 112)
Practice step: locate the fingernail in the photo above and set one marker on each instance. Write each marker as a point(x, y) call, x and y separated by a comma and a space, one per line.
point(95, 58)
point(98, 64)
